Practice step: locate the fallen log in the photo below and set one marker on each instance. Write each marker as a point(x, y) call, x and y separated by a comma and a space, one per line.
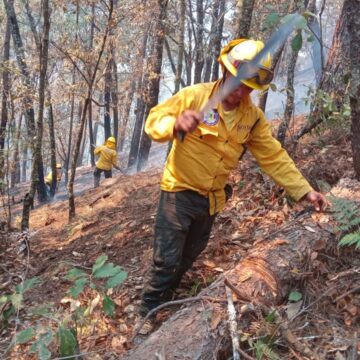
point(265, 276)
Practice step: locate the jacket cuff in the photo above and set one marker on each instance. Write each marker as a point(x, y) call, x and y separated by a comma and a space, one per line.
point(298, 195)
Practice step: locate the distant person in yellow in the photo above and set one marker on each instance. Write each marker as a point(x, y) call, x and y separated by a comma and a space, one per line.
point(107, 160)
point(48, 178)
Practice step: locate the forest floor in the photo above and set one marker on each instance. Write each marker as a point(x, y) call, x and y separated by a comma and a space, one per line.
point(117, 220)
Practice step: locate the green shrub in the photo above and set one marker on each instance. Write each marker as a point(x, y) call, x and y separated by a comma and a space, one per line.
point(52, 328)
point(347, 216)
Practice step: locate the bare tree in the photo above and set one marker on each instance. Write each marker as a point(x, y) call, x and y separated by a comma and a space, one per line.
point(107, 99)
point(244, 19)
point(352, 8)
point(90, 83)
point(210, 53)
point(180, 54)
point(140, 104)
point(153, 78)
point(28, 105)
point(39, 136)
point(90, 114)
point(199, 41)
point(49, 102)
point(5, 96)
point(218, 38)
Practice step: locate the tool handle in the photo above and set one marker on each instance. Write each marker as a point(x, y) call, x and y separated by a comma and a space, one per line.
point(181, 135)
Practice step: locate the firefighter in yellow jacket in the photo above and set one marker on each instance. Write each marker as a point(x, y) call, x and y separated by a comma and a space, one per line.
point(48, 177)
point(107, 160)
point(196, 170)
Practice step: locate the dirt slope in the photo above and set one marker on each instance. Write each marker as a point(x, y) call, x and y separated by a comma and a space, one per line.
point(117, 220)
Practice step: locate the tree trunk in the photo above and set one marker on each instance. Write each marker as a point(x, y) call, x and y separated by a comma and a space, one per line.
point(52, 148)
point(75, 157)
point(72, 108)
point(20, 57)
point(317, 50)
point(90, 119)
point(15, 169)
point(5, 96)
point(290, 92)
point(125, 110)
point(140, 105)
point(210, 54)
point(80, 157)
point(107, 99)
point(181, 38)
point(263, 278)
point(24, 149)
point(189, 55)
point(37, 156)
point(217, 40)
point(153, 81)
point(199, 41)
point(91, 137)
point(244, 19)
point(353, 7)
point(114, 98)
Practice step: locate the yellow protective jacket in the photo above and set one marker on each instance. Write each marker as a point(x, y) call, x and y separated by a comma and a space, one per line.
point(107, 156)
point(48, 177)
point(204, 160)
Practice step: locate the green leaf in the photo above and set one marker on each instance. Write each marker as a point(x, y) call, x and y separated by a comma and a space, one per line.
point(273, 87)
point(47, 338)
point(295, 296)
point(74, 274)
point(24, 336)
point(107, 270)
point(27, 284)
point(116, 280)
point(4, 299)
point(44, 353)
point(40, 346)
point(311, 38)
point(100, 261)
point(77, 289)
point(296, 42)
point(67, 342)
point(43, 310)
point(350, 239)
point(271, 316)
point(271, 20)
point(262, 349)
point(8, 312)
point(16, 300)
point(108, 306)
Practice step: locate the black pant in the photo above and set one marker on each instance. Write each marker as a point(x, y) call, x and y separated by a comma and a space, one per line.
point(97, 175)
point(182, 231)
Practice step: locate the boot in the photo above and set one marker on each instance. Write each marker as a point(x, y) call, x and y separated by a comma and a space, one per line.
point(96, 181)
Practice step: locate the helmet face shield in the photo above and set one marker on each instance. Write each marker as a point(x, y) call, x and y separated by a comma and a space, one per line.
point(262, 75)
